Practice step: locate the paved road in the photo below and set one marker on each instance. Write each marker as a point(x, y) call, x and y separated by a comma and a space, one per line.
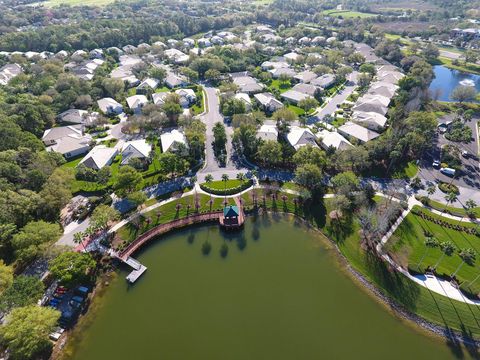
point(338, 99)
point(233, 165)
point(450, 54)
point(70, 229)
point(470, 178)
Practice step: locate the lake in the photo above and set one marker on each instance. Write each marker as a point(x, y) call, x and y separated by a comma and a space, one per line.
point(447, 79)
point(280, 293)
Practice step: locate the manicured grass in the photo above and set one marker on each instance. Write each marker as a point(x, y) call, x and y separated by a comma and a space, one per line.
point(415, 298)
point(409, 170)
point(52, 3)
point(469, 68)
point(451, 209)
point(347, 14)
point(297, 110)
point(280, 86)
point(410, 248)
point(169, 212)
point(222, 185)
point(162, 89)
point(198, 109)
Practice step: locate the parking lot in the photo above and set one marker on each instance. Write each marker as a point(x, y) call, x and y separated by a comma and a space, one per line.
point(469, 177)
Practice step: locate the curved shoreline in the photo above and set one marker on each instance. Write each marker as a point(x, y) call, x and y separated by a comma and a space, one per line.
point(377, 292)
point(390, 303)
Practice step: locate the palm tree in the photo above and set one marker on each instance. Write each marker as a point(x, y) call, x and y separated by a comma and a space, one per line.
point(467, 256)
point(431, 190)
point(241, 177)
point(158, 213)
point(447, 249)
point(469, 206)
point(208, 180)
point(78, 239)
point(450, 197)
point(225, 178)
point(430, 242)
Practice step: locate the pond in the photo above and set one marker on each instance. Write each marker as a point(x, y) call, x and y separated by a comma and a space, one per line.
point(280, 293)
point(447, 79)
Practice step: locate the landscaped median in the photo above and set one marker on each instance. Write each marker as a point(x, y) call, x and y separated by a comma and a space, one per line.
point(226, 187)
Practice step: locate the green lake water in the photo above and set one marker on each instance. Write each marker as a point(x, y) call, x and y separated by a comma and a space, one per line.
point(278, 294)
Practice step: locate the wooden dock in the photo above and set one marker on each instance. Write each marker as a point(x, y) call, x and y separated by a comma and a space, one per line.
point(138, 269)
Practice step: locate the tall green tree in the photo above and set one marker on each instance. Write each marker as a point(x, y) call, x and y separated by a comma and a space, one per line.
point(72, 268)
point(26, 331)
point(25, 290)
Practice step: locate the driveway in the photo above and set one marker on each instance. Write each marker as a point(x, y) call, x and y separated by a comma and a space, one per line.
point(338, 99)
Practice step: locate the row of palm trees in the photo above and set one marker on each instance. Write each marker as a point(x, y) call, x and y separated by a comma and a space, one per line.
point(447, 248)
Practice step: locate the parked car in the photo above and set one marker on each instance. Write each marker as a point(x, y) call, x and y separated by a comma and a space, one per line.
point(448, 171)
point(436, 164)
point(465, 154)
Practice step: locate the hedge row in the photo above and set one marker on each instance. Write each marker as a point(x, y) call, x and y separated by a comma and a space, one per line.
point(229, 191)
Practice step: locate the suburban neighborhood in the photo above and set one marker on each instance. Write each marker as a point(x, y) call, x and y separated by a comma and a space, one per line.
point(154, 144)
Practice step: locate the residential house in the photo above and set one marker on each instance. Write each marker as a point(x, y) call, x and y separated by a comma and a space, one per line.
point(325, 81)
point(294, 97)
point(362, 134)
point(245, 98)
point(383, 88)
point(136, 149)
point(136, 102)
point(99, 157)
point(372, 103)
point(187, 97)
point(332, 139)
point(371, 120)
point(172, 80)
point(267, 132)
point(389, 76)
point(67, 140)
point(169, 139)
point(147, 85)
point(268, 102)
point(307, 89)
point(50, 136)
point(109, 106)
point(8, 72)
point(76, 116)
point(292, 56)
point(176, 56)
point(268, 65)
point(298, 137)
point(159, 98)
point(246, 83)
point(305, 76)
point(277, 72)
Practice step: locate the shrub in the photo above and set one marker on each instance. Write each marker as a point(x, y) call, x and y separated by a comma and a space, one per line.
point(230, 191)
point(447, 188)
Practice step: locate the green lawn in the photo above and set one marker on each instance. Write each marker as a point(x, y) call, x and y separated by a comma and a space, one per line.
point(347, 14)
point(410, 247)
point(198, 109)
point(431, 306)
point(451, 209)
point(222, 185)
point(52, 3)
point(409, 170)
point(280, 86)
point(471, 68)
point(162, 89)
point(297, 110)
point(169, 212)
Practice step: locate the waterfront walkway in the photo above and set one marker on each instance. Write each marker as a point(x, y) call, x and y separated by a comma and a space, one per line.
point(164, 228)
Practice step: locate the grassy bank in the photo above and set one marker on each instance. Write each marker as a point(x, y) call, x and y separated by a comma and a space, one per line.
point(414, 298)
point(410, 248)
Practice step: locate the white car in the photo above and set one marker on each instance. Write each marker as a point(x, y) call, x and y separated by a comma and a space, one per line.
point(436, 164)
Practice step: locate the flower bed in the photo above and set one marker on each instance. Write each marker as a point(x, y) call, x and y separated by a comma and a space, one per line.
point(212, 189)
